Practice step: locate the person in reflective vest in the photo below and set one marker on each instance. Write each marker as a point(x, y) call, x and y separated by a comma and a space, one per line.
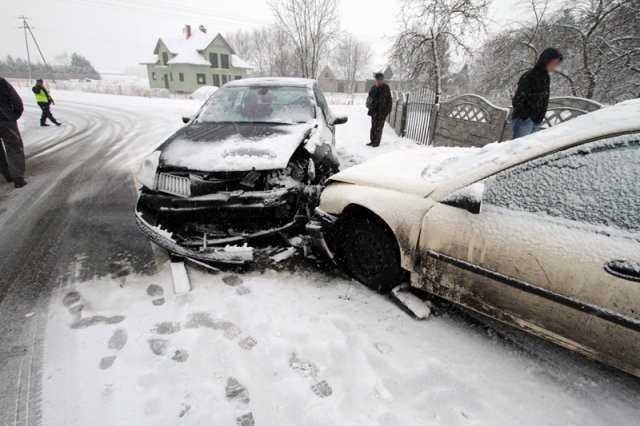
point(44, 101)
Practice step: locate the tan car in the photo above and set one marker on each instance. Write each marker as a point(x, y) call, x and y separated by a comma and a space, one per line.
point(542, 233)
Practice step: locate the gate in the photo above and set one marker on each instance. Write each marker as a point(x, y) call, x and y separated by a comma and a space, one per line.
point(421, 114)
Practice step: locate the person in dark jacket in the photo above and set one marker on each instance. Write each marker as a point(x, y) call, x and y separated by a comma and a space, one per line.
point(44, 101)
point(11, 148)
point(379, 103)
point(532, 95)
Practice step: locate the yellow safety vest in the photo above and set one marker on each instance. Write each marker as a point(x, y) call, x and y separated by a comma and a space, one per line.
point(42, 97)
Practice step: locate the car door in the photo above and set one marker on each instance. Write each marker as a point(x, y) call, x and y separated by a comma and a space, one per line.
point(555, 250)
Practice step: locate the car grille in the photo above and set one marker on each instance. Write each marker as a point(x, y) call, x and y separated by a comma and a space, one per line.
point(176, 185)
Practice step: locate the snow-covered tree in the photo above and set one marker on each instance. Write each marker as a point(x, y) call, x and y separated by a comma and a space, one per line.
point(312, 26)
point(350, 57)
point(430, 29)
point(268, 49)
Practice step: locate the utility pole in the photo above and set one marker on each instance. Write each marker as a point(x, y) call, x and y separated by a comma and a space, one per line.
point(27, 27)
point(26, 43)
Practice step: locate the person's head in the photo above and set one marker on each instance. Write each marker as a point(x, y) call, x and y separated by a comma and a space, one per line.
point(379, 79)
point(39, 82)
point(549, 59)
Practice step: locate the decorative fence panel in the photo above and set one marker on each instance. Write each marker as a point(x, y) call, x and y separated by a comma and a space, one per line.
point(469, 120)
point(421, 110)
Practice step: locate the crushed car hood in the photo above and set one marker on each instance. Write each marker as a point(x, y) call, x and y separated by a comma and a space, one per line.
point(405, 171)
point(227, 147)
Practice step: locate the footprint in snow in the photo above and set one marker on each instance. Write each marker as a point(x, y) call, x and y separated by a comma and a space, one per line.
point(73, 302)
point(157, 293)
point(247, 343)
point(309, 370)
point(115, 344)
point(238, 395)
point(236, 281)
point(161, 347)
point(203, 319)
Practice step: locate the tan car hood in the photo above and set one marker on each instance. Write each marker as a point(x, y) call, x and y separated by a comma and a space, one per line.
point(403, 171)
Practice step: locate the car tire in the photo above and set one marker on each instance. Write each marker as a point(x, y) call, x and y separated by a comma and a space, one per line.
point(369, 250)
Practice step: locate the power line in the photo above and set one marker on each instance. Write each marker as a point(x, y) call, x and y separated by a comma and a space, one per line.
point(26, 43)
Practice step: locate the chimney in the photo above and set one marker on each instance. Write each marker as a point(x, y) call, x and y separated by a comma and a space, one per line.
point(203, 29)
point(187, 31)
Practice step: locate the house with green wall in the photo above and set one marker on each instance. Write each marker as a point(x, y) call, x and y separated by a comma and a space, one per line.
point(196, 59)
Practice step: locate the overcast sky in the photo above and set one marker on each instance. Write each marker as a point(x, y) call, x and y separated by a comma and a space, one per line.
point(116, 34)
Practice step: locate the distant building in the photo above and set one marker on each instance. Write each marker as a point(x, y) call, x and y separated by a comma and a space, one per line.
point(329, 82)
point(197, 59)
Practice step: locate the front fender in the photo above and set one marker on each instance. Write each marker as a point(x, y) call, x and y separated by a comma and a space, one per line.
point(401, 212)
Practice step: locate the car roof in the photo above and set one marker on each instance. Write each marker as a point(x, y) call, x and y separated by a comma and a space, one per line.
point(478, 164)
point(273, 81)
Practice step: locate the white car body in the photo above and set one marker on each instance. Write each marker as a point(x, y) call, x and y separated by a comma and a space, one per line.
point(543, 273)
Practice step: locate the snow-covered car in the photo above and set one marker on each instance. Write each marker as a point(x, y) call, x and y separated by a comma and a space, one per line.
point(251, 163)
point(542, 233)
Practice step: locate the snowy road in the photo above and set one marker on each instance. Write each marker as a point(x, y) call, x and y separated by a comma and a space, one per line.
point(93, 334)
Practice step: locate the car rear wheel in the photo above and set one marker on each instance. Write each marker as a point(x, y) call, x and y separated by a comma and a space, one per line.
point(370, 252)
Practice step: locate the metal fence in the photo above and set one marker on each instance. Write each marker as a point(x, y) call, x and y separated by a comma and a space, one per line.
point(420, 117)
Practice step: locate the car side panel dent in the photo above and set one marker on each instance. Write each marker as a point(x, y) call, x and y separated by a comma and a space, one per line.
point(401, 212)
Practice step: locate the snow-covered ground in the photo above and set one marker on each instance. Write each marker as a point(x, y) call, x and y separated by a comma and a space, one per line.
point(299, 346)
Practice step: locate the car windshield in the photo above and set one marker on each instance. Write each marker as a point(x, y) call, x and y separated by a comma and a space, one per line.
point(265, 104)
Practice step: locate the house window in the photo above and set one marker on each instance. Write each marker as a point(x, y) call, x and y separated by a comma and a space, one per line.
point(216, 80)
point(201, 78)
point(213, 59)
point(171, 76)
point(224, 58)
point(224, 79)
point(181, 76)
point(153, 76)
point(165, 58)
point(238, 77)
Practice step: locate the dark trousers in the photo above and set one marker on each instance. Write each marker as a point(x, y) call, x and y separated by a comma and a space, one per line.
point(375, 135)
point(11, 151)
point(46, 113)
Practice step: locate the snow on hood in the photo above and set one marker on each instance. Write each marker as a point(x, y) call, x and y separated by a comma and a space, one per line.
point(402, 170)
point(225, 147)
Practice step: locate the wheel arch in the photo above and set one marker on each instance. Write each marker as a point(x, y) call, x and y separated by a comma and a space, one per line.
point(401, 213)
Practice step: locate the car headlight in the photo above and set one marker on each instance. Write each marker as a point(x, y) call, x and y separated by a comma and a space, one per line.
point(148, 169)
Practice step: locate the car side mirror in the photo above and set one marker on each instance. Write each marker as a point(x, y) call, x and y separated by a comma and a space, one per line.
point(341, 119)
point(186, 119)
point(468, 198)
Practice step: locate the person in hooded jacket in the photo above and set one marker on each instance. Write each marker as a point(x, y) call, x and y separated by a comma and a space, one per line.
point(11, 147)
point(379, 104)
point(532, 95)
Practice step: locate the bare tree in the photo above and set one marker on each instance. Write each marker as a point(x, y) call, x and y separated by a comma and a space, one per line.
point(606, 36)
point(600, 40)
point(430, 28)
point(311, 25)
point(351, 57)
point(268, 49)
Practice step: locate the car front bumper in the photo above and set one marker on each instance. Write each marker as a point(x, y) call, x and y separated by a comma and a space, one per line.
point(321, 223)
point(282, 206)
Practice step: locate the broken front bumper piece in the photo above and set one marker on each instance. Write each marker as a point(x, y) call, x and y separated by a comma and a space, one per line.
point(320, 224)
point(227, 254)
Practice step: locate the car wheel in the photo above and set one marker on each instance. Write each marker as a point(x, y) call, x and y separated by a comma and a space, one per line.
point(370, 252)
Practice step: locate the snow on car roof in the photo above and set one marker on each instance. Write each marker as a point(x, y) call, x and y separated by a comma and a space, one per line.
point(443, 170)
point(273, 81)
point(492, 158)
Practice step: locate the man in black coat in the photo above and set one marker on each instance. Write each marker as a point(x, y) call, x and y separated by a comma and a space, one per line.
point(44, 101)
point(11, 148)
point(532, 95)
point(379, 103)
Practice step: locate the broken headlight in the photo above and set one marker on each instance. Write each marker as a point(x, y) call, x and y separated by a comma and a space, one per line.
point(148, 169)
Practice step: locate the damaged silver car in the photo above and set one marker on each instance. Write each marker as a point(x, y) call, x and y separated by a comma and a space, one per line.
point(250, 164)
